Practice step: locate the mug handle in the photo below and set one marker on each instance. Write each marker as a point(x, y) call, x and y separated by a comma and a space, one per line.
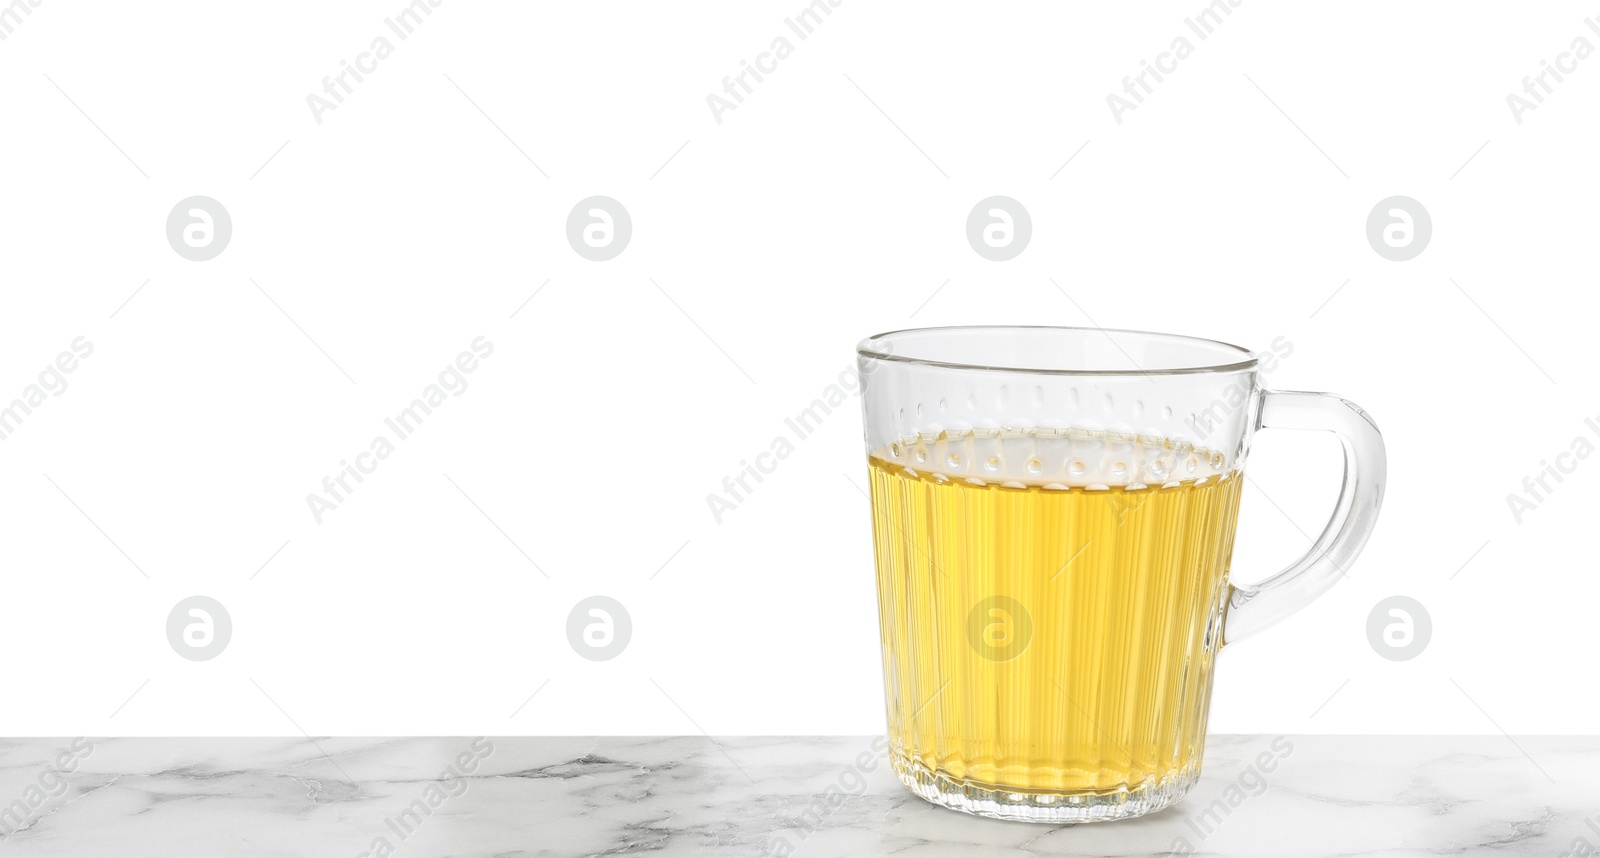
point(1254, 608)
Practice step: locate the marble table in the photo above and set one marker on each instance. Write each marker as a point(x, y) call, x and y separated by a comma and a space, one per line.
point(689, 795)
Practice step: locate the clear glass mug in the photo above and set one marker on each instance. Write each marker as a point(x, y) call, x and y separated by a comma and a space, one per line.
point(1053, 519)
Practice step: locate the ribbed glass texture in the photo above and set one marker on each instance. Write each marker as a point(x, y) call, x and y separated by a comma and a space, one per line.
point(1048, 650)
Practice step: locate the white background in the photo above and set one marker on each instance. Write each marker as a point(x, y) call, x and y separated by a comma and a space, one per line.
point(406, 224)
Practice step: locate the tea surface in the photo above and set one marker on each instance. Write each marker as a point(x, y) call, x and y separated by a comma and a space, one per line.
point(1045, 637)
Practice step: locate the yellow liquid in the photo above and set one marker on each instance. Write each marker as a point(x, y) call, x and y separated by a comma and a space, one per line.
point(1049, 640)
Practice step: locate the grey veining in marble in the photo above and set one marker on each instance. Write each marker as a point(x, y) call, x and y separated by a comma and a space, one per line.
point(1330, 795)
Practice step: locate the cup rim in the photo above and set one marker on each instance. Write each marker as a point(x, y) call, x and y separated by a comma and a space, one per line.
point(866, 349)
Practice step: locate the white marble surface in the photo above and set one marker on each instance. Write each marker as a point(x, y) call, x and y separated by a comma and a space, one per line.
point(1330, 795)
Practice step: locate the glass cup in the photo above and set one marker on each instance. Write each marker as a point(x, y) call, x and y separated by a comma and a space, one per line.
point(1053, 519)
